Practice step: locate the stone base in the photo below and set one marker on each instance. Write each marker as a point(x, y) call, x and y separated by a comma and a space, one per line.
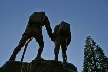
point(40, 65)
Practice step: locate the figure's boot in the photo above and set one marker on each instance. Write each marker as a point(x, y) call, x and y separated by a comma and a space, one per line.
point(13, 56)
point(41, 44)
point(39, 54)
point(56, 57)
point(15, 52)
point(64, 58)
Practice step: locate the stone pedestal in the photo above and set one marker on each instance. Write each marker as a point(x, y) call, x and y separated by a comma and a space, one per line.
point(38, 66)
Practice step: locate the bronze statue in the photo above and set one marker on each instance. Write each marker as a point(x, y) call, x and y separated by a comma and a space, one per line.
point(62, 37)
point(34, 29)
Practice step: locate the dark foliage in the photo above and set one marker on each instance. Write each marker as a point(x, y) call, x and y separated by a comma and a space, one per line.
point(94, 57)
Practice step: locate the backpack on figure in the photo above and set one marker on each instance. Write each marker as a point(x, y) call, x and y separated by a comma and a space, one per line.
point(37, 18)
point(64, 28)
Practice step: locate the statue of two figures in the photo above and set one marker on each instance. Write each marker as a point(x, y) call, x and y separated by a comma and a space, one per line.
point(61, 35)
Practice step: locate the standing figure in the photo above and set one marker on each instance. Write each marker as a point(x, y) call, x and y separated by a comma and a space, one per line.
point(34, 29)
point(62, 37)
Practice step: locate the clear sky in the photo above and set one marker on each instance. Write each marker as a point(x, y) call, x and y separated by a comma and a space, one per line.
point(87, 18)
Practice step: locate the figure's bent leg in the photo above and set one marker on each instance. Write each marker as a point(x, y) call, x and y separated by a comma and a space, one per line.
point(41, 45)
point(56, 49)
point(20, 45)
point(64, 48)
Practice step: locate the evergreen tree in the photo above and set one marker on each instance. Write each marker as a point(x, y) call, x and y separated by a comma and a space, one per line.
point(94, 58)
point(102, 60)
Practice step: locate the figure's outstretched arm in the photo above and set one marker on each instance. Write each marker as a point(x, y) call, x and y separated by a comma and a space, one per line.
point(69, 39)
point(56, 31)
point(48, 27)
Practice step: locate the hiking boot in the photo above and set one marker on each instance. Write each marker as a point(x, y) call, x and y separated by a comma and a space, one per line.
point(56, 58)
point(12, 58)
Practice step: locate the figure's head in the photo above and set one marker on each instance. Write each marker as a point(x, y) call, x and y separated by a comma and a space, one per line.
point(41, 12)
point(63, 22)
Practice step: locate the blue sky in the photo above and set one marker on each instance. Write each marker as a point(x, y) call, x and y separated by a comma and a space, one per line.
point(87, 18)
